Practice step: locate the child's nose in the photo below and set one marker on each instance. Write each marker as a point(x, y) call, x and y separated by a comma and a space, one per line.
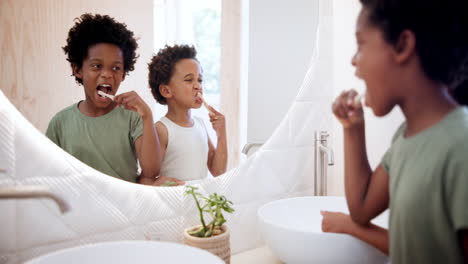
point(106, 73)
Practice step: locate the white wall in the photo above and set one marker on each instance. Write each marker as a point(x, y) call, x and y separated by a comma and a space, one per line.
point(281, 41)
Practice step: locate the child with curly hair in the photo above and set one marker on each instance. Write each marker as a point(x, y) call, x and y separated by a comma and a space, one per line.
point(412, 54)
point(175, 78)
point(108, 135)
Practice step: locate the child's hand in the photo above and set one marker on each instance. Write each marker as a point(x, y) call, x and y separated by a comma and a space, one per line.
point(167, 181)
point(132, 101)
point(218, 122)
point(335, 222)
point(347, 109)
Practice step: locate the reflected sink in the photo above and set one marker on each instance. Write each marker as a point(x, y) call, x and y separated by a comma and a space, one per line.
point(125, 252)
point(292, 228)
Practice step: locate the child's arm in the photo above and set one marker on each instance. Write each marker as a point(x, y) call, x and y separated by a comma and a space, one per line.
point(374, 235)
point(147, 145)
point(162, 180)
point(217, 157)
point(366, 190)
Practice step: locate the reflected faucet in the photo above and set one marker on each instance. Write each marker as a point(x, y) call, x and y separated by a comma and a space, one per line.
point(249, 146)
point(39, 191)
point(329, 153)
point(321, 161)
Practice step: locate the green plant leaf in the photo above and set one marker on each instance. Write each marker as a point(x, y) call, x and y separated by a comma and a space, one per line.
point(214, 205)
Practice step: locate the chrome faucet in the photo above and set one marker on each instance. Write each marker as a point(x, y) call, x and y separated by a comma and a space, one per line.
point(329, 153)
point(39, 191)
point(321, 161)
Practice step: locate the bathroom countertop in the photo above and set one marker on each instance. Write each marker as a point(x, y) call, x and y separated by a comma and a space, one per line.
point(261, 255)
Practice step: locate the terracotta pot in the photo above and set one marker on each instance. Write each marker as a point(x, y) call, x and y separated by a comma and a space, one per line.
point(218, 245)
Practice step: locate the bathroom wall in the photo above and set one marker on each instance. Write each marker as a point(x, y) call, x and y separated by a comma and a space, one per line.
point(281, 41)
point(34, 73)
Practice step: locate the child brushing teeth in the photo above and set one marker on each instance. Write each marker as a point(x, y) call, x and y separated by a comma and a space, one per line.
point(175, 78)
point(101, 51)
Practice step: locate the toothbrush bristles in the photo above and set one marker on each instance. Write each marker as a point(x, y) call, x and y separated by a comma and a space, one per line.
point(358, 99)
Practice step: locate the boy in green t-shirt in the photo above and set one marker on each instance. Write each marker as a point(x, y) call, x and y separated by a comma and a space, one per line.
point(110, 135)
point(412, 54)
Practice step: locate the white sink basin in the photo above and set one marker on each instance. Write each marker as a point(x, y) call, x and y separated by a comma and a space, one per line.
point(292, 229)
point(126, 252)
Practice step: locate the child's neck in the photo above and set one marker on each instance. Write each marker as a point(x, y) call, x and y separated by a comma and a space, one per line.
point(89, 109)
point(182, 117)
point(426, 107)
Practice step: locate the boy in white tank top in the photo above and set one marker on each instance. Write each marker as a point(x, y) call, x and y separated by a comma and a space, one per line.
point(175, 78)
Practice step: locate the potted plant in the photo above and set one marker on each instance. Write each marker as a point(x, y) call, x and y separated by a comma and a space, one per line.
point(214, 235)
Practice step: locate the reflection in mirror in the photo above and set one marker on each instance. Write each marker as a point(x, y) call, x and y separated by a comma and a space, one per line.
point(176, 80)
point(108, 133)
point(41, 91)
point(191, 164)
point(49, 100)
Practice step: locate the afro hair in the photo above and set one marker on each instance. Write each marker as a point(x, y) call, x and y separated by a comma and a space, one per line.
point(92, 29)
point(162, 67)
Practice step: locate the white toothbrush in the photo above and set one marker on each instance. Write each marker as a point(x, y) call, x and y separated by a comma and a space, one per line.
point(106, 95)
point(204, 103)
point(359, 99)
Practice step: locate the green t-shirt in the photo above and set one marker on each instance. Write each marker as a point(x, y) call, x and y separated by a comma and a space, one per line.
point(429, 191)
point(105, 143)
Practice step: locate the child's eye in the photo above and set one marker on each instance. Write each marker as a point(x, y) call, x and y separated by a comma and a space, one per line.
point(188, 80)
point(200, 80)
point(96, 66)
point(116, 68)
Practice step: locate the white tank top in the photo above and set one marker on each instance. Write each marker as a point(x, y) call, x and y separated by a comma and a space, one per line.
point(186, 155)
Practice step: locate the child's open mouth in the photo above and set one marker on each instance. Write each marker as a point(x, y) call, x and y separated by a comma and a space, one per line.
point(106, 88)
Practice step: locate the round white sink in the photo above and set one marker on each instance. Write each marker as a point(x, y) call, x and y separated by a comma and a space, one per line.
point(292, 228)
point(126, 252)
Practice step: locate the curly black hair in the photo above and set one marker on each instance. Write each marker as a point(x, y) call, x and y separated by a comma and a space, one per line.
point(162, 67)
point(440, 28)
point(92, 29)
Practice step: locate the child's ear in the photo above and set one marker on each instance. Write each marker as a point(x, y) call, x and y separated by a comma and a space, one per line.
point(77, 72)
point(165, 91)
point(123, 76)
point(405, 46)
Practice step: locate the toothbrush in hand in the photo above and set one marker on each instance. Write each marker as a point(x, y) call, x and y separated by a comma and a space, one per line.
point(106, 95)
point(358, 100)
point(355, 104)
point(205, 104)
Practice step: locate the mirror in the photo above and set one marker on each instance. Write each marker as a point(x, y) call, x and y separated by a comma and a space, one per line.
point(36, 77)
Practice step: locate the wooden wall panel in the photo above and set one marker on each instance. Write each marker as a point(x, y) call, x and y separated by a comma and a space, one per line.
point(34, 73)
